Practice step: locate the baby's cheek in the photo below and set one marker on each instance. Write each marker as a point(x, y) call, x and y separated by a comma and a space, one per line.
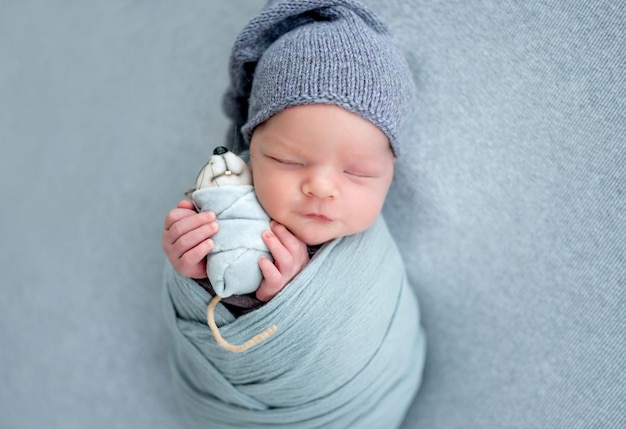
point(366, 213)
point(269, 201)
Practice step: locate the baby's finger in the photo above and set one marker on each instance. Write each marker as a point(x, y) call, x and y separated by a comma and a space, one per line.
point(174, 216)
point(272, 280)
point(186, 204)
point(290, 241)
point(196, 254)
point(280, 253)
point(181, 221)
point(177, 214)
point(191, 239)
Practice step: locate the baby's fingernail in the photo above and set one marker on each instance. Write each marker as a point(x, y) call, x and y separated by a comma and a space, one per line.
point(210, 243)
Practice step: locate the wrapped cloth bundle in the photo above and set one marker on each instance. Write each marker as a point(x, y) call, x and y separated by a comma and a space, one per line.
point(233, 265)
point(224, 186)
point(348, 350)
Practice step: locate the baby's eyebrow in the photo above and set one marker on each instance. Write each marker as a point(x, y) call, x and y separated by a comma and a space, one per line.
point(365, 158)
point(280, 141)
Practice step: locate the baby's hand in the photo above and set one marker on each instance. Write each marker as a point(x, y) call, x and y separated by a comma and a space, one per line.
point(186, 239)
point(290, 257)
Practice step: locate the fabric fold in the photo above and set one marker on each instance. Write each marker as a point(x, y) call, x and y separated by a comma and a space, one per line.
point(233, 264)
point(348, 350)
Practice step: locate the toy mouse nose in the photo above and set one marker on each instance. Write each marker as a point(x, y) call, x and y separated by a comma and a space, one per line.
point(220, 150)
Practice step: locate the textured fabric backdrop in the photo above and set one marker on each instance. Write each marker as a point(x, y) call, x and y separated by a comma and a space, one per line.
point(510, 210)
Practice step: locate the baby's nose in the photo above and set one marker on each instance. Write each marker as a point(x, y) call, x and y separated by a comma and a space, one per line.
point(321, 186)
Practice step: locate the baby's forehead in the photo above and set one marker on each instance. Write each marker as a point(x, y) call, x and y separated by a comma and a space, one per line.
point(323, 131)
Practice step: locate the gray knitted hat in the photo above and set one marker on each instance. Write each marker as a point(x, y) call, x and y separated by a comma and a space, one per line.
point(318, 51)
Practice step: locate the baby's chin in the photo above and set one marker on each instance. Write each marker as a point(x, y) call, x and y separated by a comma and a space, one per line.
point(315, 239)
point(314, 233)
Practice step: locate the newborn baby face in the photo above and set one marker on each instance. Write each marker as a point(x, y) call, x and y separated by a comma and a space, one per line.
point(321, 171)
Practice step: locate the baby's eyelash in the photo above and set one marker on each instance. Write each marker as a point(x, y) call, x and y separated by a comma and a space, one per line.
point(284, 161)
point(358, 174)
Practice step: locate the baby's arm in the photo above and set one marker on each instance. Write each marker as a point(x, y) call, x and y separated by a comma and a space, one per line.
point(186, 239)
point(290, 257)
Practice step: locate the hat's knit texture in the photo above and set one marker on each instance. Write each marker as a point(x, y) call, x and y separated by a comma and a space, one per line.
point(318, 51)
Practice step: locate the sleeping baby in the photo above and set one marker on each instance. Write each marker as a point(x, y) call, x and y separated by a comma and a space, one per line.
point(331, 335)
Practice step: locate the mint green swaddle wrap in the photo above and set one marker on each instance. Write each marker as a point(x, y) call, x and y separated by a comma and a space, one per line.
point(348, 350)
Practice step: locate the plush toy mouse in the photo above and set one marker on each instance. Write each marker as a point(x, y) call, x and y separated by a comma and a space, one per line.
point(224, 185)
point(223, 168)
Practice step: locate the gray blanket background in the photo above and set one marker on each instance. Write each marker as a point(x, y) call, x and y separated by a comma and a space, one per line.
point(510, 210)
